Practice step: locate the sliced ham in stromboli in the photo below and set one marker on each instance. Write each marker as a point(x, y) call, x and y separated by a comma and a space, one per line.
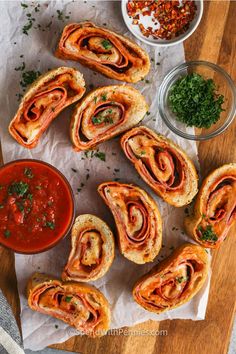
point(162, 165)
point(104, 113)
point(92, 249)
point(173, 281)
point(137, 219)
point(42, 103)
point(103, 50)
point(81, 306)
point(215, 207)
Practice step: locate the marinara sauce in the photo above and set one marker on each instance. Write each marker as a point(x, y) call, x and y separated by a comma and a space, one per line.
point(36, 206)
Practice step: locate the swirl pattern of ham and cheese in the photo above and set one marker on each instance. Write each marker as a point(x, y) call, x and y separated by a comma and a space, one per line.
point(137, 219)
point(215, 207)
point(80, 305)
point(92, 249)
point(105, 51)
point(173, 281)
point(161, 164)
point(42, 103)
point(104, 113)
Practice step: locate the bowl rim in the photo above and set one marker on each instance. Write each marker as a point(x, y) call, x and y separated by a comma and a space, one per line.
point(164, 44)
point(70, 224)
point(162, 90)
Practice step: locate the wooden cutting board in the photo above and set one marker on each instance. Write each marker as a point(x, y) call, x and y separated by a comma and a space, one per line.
point(215, 41)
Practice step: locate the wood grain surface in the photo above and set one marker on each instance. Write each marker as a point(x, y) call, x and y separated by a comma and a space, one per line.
point(215, 41)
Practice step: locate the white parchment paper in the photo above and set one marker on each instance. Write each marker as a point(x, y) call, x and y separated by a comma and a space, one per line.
point(36, 51)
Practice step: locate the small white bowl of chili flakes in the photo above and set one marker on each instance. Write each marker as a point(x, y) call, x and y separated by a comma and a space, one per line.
point(162, 22)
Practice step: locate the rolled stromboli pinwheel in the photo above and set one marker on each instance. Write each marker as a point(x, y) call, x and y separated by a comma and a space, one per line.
point(92, 249)
point(137, 219)
point(174, 281)
point(104, 113)
point(42, 103)
point(215, 207)
point(80, 305)
point(162, 164)
point(103, 50)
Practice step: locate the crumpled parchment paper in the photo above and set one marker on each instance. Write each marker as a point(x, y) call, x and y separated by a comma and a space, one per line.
point(36, 51)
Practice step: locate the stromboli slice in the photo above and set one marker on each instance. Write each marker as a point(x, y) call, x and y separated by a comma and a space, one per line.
point(162, 164)
point(92, 249)
point(215, 207)
point(80, 305)
point(103, 50)
point(137, 219)
point(42, 103)
point(104, 113)
point(174, 281)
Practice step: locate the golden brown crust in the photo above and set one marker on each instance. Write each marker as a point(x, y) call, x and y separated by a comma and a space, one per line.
point(173, 281)
point(92, 249)
point(137, 219)
point(214, 208)
point(105, 51)
point(105, 113)
point(47, 295)
point(162, 164)
point(42, 103)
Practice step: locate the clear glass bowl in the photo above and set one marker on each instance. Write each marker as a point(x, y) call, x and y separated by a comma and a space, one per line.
point(225, 86)
point(53, 242)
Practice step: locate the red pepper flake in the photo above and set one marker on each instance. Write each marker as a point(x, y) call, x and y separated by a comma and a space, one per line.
point(174, 17)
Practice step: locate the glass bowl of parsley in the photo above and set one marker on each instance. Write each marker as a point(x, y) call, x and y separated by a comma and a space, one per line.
point(197, 100)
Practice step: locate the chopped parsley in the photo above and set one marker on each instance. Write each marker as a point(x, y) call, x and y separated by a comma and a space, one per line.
point(21, 67)
point(100, 119)
point(142, 152)
point(23, 5)
point(181, 279)
point(61, 16)
point(1, 206)
point(50, 224)
point(97, 153)
point(68, 298)
point(73, 169)
point(106, 44)
point(28, 25)
point(30, 197)
point(28, 172)
point(7, 233)
point(19, 188)
point(97, 120)
point(208, 234)
point(28, 77)
point(100, 155)
point(195, 102)
point(104, 97)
